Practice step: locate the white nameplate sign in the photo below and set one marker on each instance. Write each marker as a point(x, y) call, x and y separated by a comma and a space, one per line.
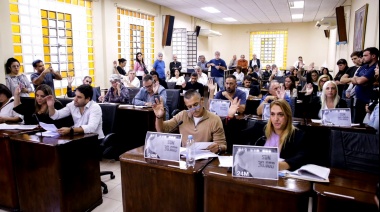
point(245, 90)
point(266, 111)
point(220, 107)
point(162, 146)
point(336, 117)
point(255, 162)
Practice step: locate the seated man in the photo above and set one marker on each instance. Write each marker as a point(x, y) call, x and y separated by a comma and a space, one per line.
point(87, 80)
point(150, 91)
point(202, 77)
point(275, 92)
point(131, 81)
point(197, 121)
point(117, 93)
point(193, 84)
point(229, 93)
point(87, 115)
point(254, 89)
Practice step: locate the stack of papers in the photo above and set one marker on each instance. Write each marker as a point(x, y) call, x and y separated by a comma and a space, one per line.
point(310, 172)
point(4, 126)
point(200, 149)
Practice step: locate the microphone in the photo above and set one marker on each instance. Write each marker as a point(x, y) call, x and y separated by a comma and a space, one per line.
point(176, 126)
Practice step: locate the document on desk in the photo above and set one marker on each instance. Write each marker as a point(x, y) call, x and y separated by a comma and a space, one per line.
point(5, 126)
point(48, 127)
point(225, 161)
point(199, 154)
point(48, 134)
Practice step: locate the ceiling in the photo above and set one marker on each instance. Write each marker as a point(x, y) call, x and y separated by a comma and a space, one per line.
point(253, 11)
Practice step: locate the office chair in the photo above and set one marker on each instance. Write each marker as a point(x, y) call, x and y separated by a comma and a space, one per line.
point(172, 100)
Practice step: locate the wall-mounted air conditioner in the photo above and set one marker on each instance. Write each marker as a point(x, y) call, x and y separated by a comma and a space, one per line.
point(209, 33)
point(326, 23)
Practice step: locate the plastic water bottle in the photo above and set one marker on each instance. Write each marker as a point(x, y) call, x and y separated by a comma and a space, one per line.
point(190, 161)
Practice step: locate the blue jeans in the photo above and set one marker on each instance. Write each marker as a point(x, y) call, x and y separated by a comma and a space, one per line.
point(220, 82)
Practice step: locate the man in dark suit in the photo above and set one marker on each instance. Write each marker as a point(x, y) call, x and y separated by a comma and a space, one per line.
point(174, 65)
point(255, 61)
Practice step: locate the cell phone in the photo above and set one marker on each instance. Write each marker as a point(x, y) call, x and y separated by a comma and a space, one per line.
point(156, 97)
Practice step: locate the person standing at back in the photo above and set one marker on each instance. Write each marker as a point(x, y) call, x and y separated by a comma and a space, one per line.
point(139, 66)
point(218, 66)
point(120, 69)
point(174, 65)
point(44, 76)
point(15, 79)
point(159, 66)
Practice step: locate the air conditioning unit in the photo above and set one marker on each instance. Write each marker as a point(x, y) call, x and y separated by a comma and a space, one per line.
point(209, 33)
point(326, 23)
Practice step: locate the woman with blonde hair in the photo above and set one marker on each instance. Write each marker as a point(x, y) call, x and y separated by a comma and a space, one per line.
point(280, 132)
point(329, 99)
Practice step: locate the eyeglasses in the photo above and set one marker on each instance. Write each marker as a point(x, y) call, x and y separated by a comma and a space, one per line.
point(132, 73)
point(149, 86)
point(314, 75)
point(323, 80)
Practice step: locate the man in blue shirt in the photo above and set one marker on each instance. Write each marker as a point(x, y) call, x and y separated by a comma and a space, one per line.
point(43, 76)
point(363, 80)
point(218, 66)
point(159, 66)
point(229, 93)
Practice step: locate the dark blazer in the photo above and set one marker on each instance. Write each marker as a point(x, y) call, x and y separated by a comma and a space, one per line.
point(313, 105)
point(294, 151)
point(172, 67)
point(195, 86)
point(258, 63)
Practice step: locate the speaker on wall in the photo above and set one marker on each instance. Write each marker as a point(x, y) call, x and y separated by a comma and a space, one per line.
point(327, 33)
point(341, 24)
point(168, 30)
point(197, 30)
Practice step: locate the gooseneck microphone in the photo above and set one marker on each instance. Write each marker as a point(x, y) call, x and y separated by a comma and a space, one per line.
point(176, 126)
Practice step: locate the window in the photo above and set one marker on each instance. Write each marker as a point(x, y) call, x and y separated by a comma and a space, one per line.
point(270, 47)
point(135, 34)
point(179, 43)
point(59, 32)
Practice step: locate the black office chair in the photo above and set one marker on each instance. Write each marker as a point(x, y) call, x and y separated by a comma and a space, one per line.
point(172, 100)
point(171, 85)
point(355, 151)
point(132, 93)
point(292, 103)
point(108, 143)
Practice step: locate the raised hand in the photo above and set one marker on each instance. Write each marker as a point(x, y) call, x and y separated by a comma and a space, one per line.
point(49, 100)
point(309, 89)
point(233, 107)
point(210, 84)
point(70, 80)
point(158, 107)
point(281, 92)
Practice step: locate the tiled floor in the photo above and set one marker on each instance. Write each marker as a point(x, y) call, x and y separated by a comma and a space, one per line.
point(112, 202)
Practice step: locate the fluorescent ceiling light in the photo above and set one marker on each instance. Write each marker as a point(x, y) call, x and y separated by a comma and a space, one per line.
point(296, 4)
point(297, 16)
point(230, 19)
point(210, 9)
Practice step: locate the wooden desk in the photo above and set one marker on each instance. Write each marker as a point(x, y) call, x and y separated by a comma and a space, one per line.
point(152, 185)
point(225, 193)
point(358, 185)
point(8, 194)
point(57, 174)
point(132, 125)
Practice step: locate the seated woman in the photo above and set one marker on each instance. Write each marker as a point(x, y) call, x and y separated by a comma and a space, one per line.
point(178, 78)
point(32, 115)
point(6, 106)
point(280, 132)
point(239, 75)
point(156, 78)
point(290, 86)
point(329, 99)
point(117, 93)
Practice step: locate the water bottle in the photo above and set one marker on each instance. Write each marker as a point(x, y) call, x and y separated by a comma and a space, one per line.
point(190, 161)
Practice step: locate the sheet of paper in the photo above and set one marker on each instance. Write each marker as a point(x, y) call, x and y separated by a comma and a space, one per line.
point(318, 121)
point(48, 127)
point(199, 154)
point(5, 126)
point(225, 161)
point(202, 145)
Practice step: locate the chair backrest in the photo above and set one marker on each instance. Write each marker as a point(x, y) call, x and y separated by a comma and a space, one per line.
point(355, 151)
point(132, 93)
point(109, 116)
point(172, 100)
point(141, 83)
point(171, 85)
point(96, 93)
point(65, 101)
point(187, 78)
point(292, 103)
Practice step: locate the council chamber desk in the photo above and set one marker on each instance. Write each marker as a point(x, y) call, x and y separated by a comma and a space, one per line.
point(347, 191)
point(57, 173)
point(155, 185)
point(8, 194)
point(222, 192)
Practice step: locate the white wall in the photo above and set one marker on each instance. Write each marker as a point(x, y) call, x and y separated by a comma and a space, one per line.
point(6, 42)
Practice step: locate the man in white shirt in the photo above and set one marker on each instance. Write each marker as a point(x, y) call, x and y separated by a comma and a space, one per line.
point(202, 77)
point(87, 115)
point(131, 81)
